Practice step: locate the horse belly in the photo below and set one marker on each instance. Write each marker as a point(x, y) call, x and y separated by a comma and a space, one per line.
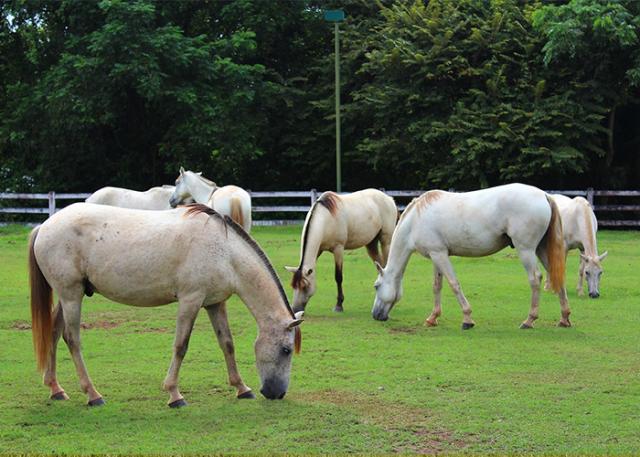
point(468, 241)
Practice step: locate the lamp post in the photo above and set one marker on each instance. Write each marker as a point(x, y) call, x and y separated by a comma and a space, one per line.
point(337, 16)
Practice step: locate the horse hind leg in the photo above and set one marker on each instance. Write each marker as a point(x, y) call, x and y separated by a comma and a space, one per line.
point(562, 295)
point(372, 250)
point(50, 379)
point(432, 320)
point(530, 263)
point(71, 305)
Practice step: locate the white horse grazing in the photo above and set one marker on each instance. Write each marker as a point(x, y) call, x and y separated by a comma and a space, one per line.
point(150, 258)
point(155, 198)
point(580, 225)
point(232, 201)
point(475, 224)
point(338, 222)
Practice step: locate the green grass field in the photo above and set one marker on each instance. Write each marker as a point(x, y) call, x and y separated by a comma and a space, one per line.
point(359, 386)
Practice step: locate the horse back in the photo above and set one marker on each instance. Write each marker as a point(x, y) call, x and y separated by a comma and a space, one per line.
point(138, 257)
point(366, 213)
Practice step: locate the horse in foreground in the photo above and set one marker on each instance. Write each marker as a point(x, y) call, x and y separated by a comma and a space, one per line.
point(338, 222)
point(156, 198)
point(579, 225)
point(150, 258)
point(439, 224)
point(232, 201)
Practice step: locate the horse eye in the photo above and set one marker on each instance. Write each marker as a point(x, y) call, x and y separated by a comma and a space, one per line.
point(376, 286)
point(286, 350)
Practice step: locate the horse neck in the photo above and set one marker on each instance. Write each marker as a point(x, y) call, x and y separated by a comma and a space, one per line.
point(258, 289)
point(401, 248)
point(200, 190)
point(313, 236)
point(589, 232)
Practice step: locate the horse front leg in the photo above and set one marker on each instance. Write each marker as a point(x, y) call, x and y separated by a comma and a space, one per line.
point(432, 320)
point(442, 262)
point(50, 379)
point(580, 287)
point(338, 255)
point(218, 316)
point(187, 311)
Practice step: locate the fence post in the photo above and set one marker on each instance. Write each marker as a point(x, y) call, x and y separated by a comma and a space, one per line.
point(52, 203)
point(590, 196)
point(314, 196)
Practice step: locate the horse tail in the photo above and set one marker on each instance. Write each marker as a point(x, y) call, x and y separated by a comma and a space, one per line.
point(236, 211)
point(41, 304)
point(555, 248)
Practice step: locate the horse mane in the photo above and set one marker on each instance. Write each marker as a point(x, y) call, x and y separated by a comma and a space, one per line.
point(207, 181)
point(197, 208)
point(330, 201)
point(422, 201)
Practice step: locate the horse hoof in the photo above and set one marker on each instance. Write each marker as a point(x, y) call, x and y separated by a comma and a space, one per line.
point(248, 395)
point(338, 309)
point(96, 402)
point(433, 323)
point(59, 396)
point(178, 403)
point(524, 325)
point(564, 324)
point(467, 325)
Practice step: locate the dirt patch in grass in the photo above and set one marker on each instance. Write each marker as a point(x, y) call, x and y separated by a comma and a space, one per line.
point(21, 325)
point(404, 330)
point(152, 330)
point(103, 325)
point(428, 437)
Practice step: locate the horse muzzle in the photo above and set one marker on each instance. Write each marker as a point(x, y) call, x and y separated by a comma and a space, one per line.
point(274, 390)
point(594, 294)
point(380, 314)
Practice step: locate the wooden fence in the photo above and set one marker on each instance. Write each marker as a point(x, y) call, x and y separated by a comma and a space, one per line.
point(601, 200)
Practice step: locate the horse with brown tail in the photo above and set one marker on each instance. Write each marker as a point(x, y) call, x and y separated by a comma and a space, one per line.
point(191, 255)
point(336, 223)
point(439, 224)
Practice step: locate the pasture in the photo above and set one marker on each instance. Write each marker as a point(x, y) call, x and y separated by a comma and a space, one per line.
point(359, 386)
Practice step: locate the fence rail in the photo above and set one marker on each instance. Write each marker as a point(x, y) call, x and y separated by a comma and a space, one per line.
point(591, 195)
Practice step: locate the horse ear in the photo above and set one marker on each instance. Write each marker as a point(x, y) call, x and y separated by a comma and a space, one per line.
point(291, 269)
point(299, 315)
point(584, 257)
point(379, 268)
point(199, 173)
point(182, 170)
point(602, 256)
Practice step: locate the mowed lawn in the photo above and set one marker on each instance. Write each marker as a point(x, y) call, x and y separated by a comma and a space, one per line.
point(358, 385)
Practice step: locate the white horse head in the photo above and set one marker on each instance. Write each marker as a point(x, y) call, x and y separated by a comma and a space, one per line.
point(388, 293)
point(191, 185)
point(274, 356)
point(593, 272)
point(304, 286)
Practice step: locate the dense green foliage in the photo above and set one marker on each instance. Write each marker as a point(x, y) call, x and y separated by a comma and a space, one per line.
point(359, 386)
point(442, 93)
